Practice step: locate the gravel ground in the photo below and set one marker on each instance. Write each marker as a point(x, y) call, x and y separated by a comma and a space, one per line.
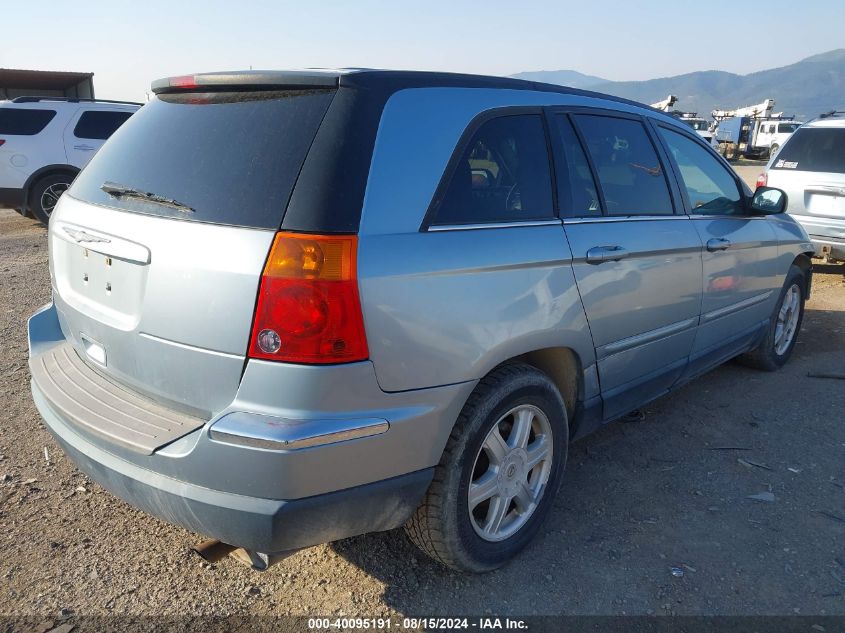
point(639, 499)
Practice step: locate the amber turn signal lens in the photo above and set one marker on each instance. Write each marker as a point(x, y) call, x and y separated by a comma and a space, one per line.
point(297, 256)
point(308, 308)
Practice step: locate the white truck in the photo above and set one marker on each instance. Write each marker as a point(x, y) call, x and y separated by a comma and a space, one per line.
point(697, 123)
point(752, 131)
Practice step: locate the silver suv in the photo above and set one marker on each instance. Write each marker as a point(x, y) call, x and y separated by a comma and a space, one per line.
point(293, 307)
point(810, 168)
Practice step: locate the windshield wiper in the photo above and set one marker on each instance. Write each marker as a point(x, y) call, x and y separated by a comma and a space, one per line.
point(120, 191)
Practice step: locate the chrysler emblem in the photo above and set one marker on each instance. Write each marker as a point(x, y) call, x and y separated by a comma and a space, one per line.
point(82, 236)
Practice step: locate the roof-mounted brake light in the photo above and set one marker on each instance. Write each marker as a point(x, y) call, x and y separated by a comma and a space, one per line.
point(185, 81)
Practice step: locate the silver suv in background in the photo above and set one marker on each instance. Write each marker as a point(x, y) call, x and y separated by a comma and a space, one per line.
point(810, 168)
point(396, 301)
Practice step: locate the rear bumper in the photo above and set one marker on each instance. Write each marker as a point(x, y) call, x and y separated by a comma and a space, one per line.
point(827, 234)
point(264, 525)
point(257, 475)
point(831, 247)
point(12, 198)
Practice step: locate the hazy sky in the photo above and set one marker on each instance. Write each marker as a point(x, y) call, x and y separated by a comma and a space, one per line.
point(128, 44)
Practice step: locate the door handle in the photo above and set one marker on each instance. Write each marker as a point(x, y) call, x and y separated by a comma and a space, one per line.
point(86, 148)
point(718, 244)
point(599, 254)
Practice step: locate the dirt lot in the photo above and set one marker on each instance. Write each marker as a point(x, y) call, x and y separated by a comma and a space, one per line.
point(639, 498)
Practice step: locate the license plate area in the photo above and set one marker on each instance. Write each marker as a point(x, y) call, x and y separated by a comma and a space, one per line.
point(827, 204)
point(100, 285)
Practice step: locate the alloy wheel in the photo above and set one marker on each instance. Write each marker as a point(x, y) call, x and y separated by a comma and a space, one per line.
point(787, 319)
point(510, 473)
point(51, 196)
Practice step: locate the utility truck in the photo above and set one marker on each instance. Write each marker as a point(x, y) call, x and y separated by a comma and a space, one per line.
point(753, 131)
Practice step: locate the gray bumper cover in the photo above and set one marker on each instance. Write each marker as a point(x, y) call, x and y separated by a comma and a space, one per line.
point(265, 525)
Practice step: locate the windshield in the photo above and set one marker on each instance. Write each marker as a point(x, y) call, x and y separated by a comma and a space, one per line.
point(813, 149)
point(697, 125)
point(226, 157)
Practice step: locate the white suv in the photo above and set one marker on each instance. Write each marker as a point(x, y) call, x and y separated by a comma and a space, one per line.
point(46, 141)
point(810, 168)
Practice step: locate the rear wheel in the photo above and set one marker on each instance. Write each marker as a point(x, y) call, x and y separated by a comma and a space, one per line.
point(46, 193)
point(784, 326)
point(498, 476)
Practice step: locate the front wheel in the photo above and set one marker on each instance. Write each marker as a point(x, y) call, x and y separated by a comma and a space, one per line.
point(498, 476)
point(773, 150)
point(784, 326)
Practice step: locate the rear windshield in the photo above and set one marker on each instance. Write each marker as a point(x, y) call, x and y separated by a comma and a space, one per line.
point(814, 149)
point(225, 157)
point(24, 121)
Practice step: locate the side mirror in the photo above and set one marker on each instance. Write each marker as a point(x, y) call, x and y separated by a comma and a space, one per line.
point(768, 201)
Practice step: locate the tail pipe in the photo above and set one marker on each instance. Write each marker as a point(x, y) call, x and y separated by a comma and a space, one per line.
point(213, 551)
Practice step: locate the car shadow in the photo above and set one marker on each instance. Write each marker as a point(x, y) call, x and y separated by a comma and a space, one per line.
point(829, 269)
point(654, 515)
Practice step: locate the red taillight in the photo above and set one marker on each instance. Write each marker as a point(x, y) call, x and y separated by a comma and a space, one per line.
point(185, 81)
point(308, 307)
point(2, 141)
point(762, 179)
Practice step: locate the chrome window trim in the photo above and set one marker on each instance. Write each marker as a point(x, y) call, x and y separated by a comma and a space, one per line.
point(624, 218)
point(726, 216)
point(436, 228)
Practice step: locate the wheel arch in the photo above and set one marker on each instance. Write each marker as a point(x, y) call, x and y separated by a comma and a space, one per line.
point(565, 368)
point(43, 172)
point(803, 261)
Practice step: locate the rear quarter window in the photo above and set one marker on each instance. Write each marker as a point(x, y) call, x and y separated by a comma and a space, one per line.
point(24, 121)
point(813, 149)
point(232, 157)
point(501, 175)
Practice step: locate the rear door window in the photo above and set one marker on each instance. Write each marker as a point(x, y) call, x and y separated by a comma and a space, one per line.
point(576, 189)
point(229, 157)
point(99, 124)
point(813, 149)
point(630, 174)
point(710, 188)
point(24, 121)
point(502, 175)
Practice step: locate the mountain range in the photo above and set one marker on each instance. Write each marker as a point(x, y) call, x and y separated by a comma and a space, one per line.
point(804, 89)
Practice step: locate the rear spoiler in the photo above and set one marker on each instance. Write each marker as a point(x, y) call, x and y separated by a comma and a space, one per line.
point(249, 79)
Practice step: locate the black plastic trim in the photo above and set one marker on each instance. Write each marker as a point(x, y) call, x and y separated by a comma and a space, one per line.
point(12, 198)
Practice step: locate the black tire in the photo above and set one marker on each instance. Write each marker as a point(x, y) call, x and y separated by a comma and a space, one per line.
point(773, 150)
point(442, 526)
point(40, 195)
point(766, 356)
